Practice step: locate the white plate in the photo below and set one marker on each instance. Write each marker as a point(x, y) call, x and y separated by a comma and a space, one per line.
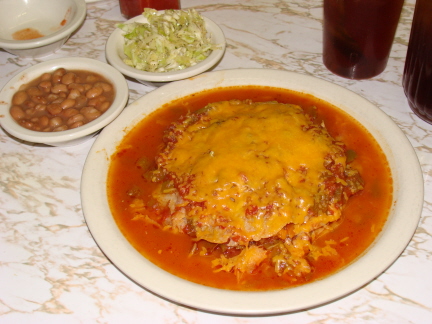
point(115, 54)
point(402, 222)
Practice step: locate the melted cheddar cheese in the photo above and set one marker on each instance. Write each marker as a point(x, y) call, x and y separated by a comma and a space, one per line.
point(238, 172)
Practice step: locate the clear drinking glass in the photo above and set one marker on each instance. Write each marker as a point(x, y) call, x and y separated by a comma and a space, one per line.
point(358, 35)
point(417, 78)
point(132, 8)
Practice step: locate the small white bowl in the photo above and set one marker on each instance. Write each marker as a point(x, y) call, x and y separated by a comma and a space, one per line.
point(115, 55)
point(55, 19)
point(71, 136)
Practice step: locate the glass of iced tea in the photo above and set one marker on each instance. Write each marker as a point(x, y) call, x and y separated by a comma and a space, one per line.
point(417, 78)
point(358, 35)
point(133, 8)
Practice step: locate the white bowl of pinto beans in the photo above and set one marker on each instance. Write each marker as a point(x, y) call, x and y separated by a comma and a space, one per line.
point(63, 101)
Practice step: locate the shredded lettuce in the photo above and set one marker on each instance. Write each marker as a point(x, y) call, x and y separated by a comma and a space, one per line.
point(171, 40)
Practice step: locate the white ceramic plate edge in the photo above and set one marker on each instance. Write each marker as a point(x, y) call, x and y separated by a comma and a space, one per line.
point(387, 248)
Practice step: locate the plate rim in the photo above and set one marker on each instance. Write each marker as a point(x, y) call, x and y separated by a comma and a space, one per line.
point(401, 226)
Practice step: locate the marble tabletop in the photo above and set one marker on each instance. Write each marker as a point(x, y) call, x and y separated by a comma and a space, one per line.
point(52, 271)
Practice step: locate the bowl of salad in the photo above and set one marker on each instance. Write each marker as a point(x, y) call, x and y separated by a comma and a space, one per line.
point(165, 46)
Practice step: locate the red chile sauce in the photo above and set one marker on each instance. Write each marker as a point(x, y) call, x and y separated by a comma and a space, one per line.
point(364, 215)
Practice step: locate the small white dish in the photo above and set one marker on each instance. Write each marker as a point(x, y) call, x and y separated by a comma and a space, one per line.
point(56, 20)
point(115, 55)
point(390, 243)
point(71, 136)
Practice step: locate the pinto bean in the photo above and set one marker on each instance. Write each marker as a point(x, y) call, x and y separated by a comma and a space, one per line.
point(104, 106)
point(97, 101)
point(54, 109)
point(104, 85)
point(59, 88)
point(94, 92)
point(55, 122)
point(45, 86)
point(67, 103)
point(69, 112)
point(74, 119)
point(17, 112)
point(90, 113)
point(40, 107)
point(68, 78)
point(77, 124)
point(34, 91)
point(39, 99)
point(19, 98)
point(45, 76)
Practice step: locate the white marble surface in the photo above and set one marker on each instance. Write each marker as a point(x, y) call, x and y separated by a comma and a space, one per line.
point(51, 270)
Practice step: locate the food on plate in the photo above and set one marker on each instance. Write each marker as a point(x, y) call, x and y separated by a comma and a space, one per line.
point(249, 194)
point(171, 40)
point(26, 34)
point(61, 100)
point(242, 173)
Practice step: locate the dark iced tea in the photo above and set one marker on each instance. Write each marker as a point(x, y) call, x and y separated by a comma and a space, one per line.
point(132, 8)
point(358, 36)
point(417, 79)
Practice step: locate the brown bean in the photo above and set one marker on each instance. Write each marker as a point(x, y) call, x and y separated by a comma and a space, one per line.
point(19, 98)
point(87, 86)
point(28, 104)
point(91, 78)
point(105, 86)
point(40, 107)
point(80, 102)
point(59, 71)
point(60, 128)
point(94, 92)
point(59, 100)
point(27, 124)
point(67, 103)
point(76, 86)
point(74, 119)
point(51, 97)
point(56, 79)
point(68, 78)
point(73, 94)
point(45, 76)
point(90, 113)
point(17, 112)
point(34, 91)
point(30, 111)
point(95, 102)
point(45, 86)
point(69, 112)
point(54, 109)
point(77, 124)
point(56, 121)
point(58, 88)
point(39, 99)
point(44, 121)
point(104, 106)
